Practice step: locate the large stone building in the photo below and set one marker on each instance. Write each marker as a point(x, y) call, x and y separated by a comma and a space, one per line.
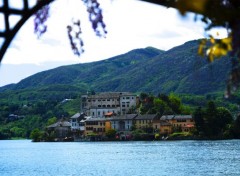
point(98, 105)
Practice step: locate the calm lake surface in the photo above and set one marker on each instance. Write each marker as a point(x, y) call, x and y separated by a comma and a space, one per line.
point(22, 157)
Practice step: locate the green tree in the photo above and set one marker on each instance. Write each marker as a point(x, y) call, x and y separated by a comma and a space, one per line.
point(211, 128)
point(159, 105)
point(111, 133)
point(235, 131)
point(224, 117)
point(18, 132)
point(36, 135)
point(218, 121)
point(199, 120)
point(175, 103)
point(51, 121)
point(224, 121)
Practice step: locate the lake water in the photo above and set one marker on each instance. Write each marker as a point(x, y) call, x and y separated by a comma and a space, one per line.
point(177, 158)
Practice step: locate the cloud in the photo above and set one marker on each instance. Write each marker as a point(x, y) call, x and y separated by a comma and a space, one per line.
point(130, 23)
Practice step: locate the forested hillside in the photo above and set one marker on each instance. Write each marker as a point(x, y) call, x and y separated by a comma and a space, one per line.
point(178, 70)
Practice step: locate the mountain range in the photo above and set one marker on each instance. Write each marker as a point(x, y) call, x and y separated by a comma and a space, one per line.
point(180, 70)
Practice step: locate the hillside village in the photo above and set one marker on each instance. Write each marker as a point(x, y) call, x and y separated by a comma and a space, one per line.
point(116, 112)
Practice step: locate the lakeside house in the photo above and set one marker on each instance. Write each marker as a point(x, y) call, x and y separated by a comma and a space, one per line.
point(96, 125)
point(145, 121)
point(61, 129)
point(183, 123)
point(125, 124)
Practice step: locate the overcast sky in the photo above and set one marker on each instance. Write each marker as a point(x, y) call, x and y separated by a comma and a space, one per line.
point(130, 24)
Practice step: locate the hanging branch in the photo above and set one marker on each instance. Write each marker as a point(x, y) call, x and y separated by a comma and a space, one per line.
point(96, 17)
point(74, 31)
point(40, 19)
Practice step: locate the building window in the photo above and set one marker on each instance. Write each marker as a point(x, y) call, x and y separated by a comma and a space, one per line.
point(99, 106)
point(92, 113)
point(127, 98)
point(98, 113)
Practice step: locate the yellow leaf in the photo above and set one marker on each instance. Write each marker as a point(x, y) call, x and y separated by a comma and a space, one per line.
point(197, 6)
point(212, 40)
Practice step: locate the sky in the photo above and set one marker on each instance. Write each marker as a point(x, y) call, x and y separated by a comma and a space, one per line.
point(131, 24)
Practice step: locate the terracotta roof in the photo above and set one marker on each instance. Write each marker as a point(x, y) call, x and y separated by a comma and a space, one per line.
point(189, 126)
point(108, 114)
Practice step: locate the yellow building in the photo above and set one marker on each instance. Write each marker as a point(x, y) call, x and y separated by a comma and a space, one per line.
point(162, 126)
point(165, 128)
point(182, 123)
point(145, 121)
point(95, 125)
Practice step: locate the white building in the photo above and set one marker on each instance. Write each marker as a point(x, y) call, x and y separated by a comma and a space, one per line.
point(77, 122)
point(98, 105)
point(74, 122)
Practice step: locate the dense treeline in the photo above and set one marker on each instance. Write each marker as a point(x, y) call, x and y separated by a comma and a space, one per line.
point(216, 122)
point(162, 104)
point(18, 120)
point(213, 119)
